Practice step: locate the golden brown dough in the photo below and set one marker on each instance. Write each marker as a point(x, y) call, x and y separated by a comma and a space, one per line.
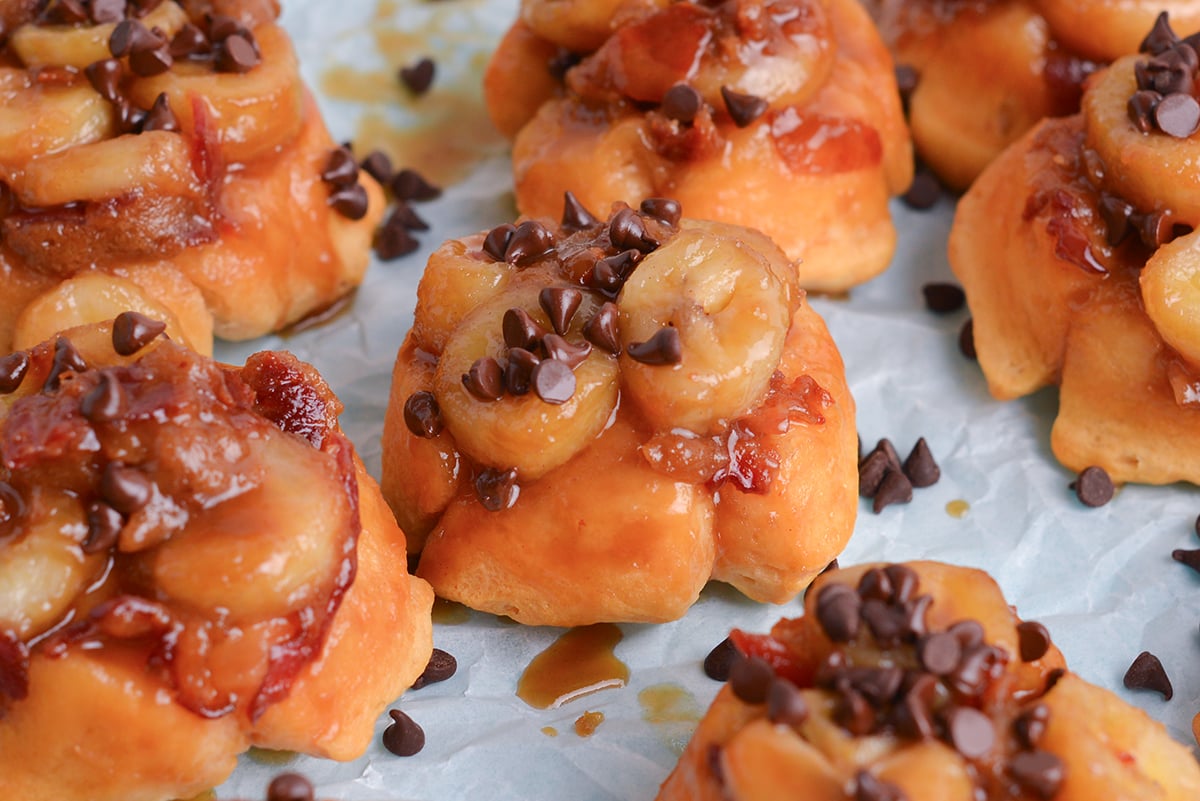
point(194, 562)
point(917, 681)
point(706, 432)
point(188, 164)
point(809, 155)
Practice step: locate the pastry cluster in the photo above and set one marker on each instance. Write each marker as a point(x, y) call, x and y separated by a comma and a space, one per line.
point(193, 562)
point(589, 420)
point(164, 156)
point(780, 115)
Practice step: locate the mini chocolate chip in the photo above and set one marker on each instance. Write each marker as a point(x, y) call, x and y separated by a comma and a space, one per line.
point(66, 360)
point(1034, 640)
point(885, 447)
point(340, 168)
point(966, 340)
point(1030, 725)
point(1093, 487)
point(160, 117)
point(878, 685)
point(403, 737)
point(868, 788)
point(408, 184)
point(189, 42)
point(601, 330)
point(236, 53)
point(561, 350)
point(290, 787)
point(403, 215)
point(829, 568)
point(888, 624)
point(418, 76)
point(665, 347)
point(942, 298)
point(485, 379)
point(1189, 558)
point(1160, 38)
point(497, 239)
point(518, 372)
point(440, 667)
point(875, 583)
point(1116, 214)
point(1038, 772)
point(838, 607)
point(350, 201)
point(151, 61)
point(393, 240)
point(1178, 115)
point(105, 78)
point(129, 116)
point(222, 26)
point(133, 331)
point(924, 191)
point(973, 673)
point(853, 713)
point(422, 415)
point(970, 731)
point(553, 381)
point(914, 615)
point(560, 305)
point(627, 231)
point(497, 489)
point(66, 12)
point(663, 209)
point(1140, 109)
point(920, 467)
point(906, 80)
point(1147, 673)
point(895, 488)
point(913, 716)
point(575, 217)
point(939, 653)
point(530, 241)
point(682, 103)
point(126, 489)
point(968, 632)
point(720, 659)
point(749, 678)
point(131, 36)
point(785, 704)
point(520, 330)
point(105, 401)
point(104, 527)
point(743, 108)
point(378, 166)
point(871, 472)
point(12, 371)
point(904, 582)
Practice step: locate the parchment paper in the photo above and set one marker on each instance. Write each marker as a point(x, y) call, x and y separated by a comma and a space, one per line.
point(1102, 579)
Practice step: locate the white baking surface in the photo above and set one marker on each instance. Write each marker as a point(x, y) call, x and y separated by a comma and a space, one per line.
point(1102, 580)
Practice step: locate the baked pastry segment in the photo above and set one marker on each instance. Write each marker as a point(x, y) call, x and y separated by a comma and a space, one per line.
point(193, 558)
point(1079, 273)
point(779, 115)
point(917, 681)
point(171, 145)
point(589, 420)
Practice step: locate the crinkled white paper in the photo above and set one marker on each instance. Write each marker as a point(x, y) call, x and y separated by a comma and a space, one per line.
point(1102, 579)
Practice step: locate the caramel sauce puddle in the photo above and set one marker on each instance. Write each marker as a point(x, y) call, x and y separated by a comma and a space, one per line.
point(578, 663)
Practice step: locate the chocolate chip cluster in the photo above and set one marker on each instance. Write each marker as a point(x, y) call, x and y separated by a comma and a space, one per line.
point(1165, 98)
point(885, 480)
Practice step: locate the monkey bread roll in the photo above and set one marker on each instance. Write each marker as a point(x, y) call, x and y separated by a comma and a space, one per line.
point(781, 115)
point(1078, 253)
point(589, 420)
point(918, 682)
point(171, 149)
point(193, 561)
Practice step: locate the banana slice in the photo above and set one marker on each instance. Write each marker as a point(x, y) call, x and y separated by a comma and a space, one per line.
point(579, 25)
point(36, 120)
point(69, 46)
point(251, 113)
point(1170, 285)
point(730, 305)
point(457, 279)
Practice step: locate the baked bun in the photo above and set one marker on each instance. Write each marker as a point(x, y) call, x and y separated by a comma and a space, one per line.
point(194, 562)
point(780, 115)
point(1072, 252)
point(172, 149)
point(917, 682)
point(589, 420)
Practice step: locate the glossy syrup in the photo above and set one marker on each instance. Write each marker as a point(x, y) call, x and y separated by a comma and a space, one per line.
point(579, 662)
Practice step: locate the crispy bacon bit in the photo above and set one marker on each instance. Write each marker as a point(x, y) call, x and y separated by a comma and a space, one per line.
point(292, 395)
point(14, 669)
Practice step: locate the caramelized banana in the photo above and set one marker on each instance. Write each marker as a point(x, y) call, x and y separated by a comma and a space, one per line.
point(458, 278)
point(580, 25)
point(37, 119)
point(69, 46)
point(1170, 285)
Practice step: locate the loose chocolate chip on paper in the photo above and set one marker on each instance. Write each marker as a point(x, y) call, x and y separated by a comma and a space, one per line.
point(403, 215)
point(403, 737)
point(895, 488)
point(290, 787)
point(682, 103)
point(871, 472)
point(408, 184)
point(553, 381)
point(378, 166)
point(664, 348)
point(743, 108)
point(441, 666)
point(1039, 772)
point(943, 298)
point(966, 340)
point(920, 467)
point(575, 217)
point(422, 415)
point(1147, 673)
point(485, 379)
point(720, 659)
point(418, 76)
point(924, 191)
point(749, 677)
point(393, 240)
point(12, 371)
point(1093, 487)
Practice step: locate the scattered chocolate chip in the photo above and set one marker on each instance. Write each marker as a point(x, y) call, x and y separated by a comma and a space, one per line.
point(888, 623)
point(440, 667)
point(146, 63)
point(520, 330)
point(126, 489)
point(1034, 640)
point(560, 349)
point(749, 678)
point(1093, 487)
point(924, 191)
point(418, 76)
point(104, 527)
point(1030, 725)
point(913, 717)
point(966, 340)
point(105, 401)
point(340, 168)
point(350, 201)
point(886, 447)
point(838, 607)
point(682, 103)
point(920, 467)
point(403, 737)
point(914, 615)
point(393, 240)
point(160, 117)
point(875, 584)
point(222, 26)
point(601, 330)
point(560, 305)
point(404, 216)
point(422, 415)
point(236, 53)
point(627, 231)
point(970, 731)
point(497, 239)
point(66, 12)
point(66, 360)
point(665, 347)
point(829, 568)
point(497, 489)
point(189, 42)
point(904, 582)
point(1140, 109)
point(1160, 38)
point(871, 472)
point(743, 108)
point(878, 685)
point(906, 80)
point(378, 166)
point(973, 673)
point(12, 371)
point(133, 331)
point(1178, 115)
point(662, 209)
point(1147, 673)
point(1189, 558)
point(895, 488)
point(290, 787)
point(105, 78)
point(868, 788)
point(785, 704)
point(939, 653)
point(553, 381)
point(941, 298)
point(530, 241)
point(575, 217)
point(408, 184)
point(518, 372)
point(485, 379)
point(1038, 772)
point(1116, 214)
point(853, 712)
point(968, 632)
point(1158, 227)
point(720, 659)
point(131, 36)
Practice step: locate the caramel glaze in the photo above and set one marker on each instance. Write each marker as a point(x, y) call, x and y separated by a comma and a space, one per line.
point(579, 662)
